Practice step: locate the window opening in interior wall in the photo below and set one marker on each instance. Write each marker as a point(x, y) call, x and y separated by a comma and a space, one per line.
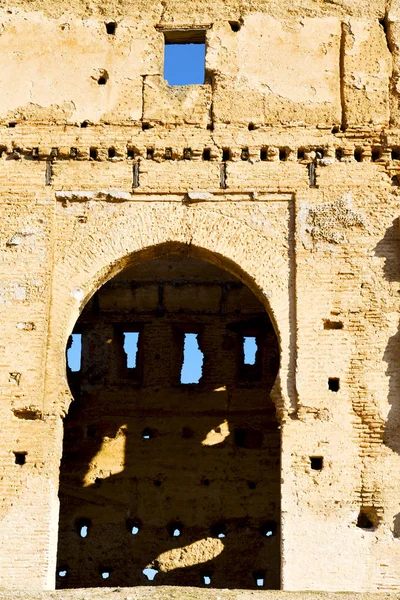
point(249, 349)
point(74, 352)
point(206, 577)
point(62, 572)
point(259, 577)
point(184, 57)
point(150, 573)
point(193, 357)
point(131, 344)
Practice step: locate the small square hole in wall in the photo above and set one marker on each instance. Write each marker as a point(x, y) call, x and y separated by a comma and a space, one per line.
point(395, 154)
point(20, 458)
point(334, 384)
point(316, 463)
point(184, 56)
point(376, 154)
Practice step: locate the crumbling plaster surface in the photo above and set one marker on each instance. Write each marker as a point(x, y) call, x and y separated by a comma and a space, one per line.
point(340, 62)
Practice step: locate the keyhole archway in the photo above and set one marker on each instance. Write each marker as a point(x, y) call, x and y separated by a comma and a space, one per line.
point(171, 477)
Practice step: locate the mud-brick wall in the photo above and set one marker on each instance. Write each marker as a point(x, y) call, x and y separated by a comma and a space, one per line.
point(283, 169)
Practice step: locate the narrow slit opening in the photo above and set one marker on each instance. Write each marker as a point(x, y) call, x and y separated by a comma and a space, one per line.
point(74, 352)
point(193, 357)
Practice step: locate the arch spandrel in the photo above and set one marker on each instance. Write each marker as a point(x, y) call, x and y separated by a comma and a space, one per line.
point(250, 240)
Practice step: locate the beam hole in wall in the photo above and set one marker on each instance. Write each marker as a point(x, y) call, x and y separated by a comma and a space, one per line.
point(150, 153)
point(376, 153)
point(93, 153)
point(206, 577)
point(130, 153)
point(367, 518)
point(168, 154)
point(187, 433)
point(301, 153)
point(395, 153)
point(316, 463)
point(111, 27)
point(339, 153)
point(283, 154)
point(251, 127)
point(235, 26)
point(193, 358)
point(358, 154)
point(175, 529)
point(244, 155)
point(20, 458)
point(84, 124)
point(268, 529)
point(226, 154)
point(184, 57)
point(334, 384)
point(133, 526)
point(83, 526)
point(12, 124)
point(103, 78)
point(206, 154)
point(112, 467)
point(329, 324)
point(219, 531)
point(148, 434)
point(187, 154)
point(73, 152)
point(105, 573)
point(259, 578)
point(263, 154)
point(111, 152)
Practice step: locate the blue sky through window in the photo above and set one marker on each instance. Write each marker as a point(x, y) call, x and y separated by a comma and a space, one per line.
point(184, 63)
point(249, 349)
point(131, 339)
point(74, 353)
point(192, 359)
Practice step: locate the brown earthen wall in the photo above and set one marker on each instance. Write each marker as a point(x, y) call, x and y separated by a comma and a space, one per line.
point(303, 210)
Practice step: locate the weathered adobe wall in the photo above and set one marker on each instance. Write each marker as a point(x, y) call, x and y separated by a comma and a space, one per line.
point(141, 449)
point(308, 76)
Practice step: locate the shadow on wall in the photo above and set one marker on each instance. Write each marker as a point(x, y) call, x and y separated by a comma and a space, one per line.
point(166, 483)
point(389, 249)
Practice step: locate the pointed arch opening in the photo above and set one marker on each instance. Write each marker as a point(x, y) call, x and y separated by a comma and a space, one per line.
point(170, 473)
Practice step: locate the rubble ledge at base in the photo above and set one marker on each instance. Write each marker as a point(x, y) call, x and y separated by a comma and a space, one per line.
point(187, 593)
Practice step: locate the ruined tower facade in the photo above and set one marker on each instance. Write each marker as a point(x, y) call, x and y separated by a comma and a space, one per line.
point(258, 207)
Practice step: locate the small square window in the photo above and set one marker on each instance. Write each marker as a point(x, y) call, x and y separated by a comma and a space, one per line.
point(184, 57)
point(334, 384)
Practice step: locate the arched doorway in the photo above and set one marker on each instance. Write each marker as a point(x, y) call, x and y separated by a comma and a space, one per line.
point(170, 472)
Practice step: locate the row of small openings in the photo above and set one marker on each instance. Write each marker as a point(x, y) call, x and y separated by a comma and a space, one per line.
point(243, 438)
point(193, 357)
point(252, 485)
point(265, 154)
point(150, 574)
point(175, 529)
